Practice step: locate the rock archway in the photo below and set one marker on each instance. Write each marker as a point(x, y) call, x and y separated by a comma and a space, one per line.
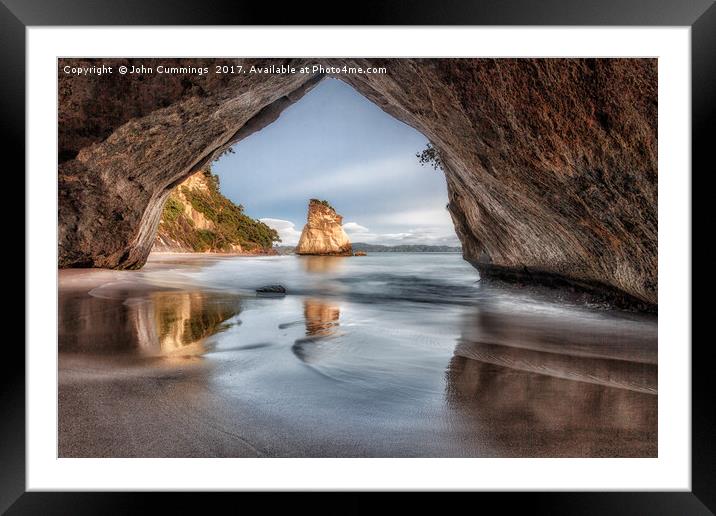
point(551, 164)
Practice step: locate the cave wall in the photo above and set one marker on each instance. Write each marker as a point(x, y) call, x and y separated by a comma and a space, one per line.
point(116, 171)
point(551, 164)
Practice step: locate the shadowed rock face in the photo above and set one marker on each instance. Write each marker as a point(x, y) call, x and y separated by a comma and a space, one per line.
point(551, 164)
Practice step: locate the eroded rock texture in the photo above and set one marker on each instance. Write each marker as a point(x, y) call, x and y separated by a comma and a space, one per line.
point(117, 169)
point(323, 233)
point(551, 164)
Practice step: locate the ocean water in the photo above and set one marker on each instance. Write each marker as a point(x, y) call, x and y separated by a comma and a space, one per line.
point(387, 355)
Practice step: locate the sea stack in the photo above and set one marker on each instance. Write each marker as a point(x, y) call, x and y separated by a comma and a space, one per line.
point(323, 233)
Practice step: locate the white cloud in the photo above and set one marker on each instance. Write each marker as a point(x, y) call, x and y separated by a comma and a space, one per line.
point(286, 230)
point(429, 226)
point(441, 233)
point(354, 227)
point(421, 235)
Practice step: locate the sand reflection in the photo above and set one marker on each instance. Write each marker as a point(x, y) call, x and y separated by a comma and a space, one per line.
point(154, 323)
point(540, 386)
point(174, 322)
point(322, 322)
point(321, 317)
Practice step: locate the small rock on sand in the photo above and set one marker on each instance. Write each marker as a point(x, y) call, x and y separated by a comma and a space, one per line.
point(278, 290)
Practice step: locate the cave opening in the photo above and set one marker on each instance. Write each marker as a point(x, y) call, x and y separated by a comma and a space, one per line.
point(521, 142)
point(335, 145)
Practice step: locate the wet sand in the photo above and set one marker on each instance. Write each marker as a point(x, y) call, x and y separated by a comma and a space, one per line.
point(181, 360)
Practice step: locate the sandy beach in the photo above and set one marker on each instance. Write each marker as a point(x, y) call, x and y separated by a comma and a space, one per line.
point(182, 359)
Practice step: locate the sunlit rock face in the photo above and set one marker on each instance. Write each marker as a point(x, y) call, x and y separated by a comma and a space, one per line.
point(323, 233)
point(165, 241)
point(551, 164)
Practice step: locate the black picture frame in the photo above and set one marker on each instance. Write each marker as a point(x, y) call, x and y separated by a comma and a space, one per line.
point(17, 15)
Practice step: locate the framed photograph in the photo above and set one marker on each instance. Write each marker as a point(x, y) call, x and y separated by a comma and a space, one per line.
point(425, 251)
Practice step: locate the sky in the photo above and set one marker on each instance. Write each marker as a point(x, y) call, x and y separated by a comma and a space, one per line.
point(335, 144)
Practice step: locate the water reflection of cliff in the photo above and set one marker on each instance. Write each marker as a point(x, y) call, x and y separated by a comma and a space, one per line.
point(322, 321)
point(173, 321)
point(321, 264)
point(155, 323)
point(321, 317)
point(550, 387)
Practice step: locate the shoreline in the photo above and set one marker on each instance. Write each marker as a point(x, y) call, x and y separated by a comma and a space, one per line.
point(212, 253)
point(548, 286)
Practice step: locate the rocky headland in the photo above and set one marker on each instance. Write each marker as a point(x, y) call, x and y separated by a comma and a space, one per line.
point(196, 218)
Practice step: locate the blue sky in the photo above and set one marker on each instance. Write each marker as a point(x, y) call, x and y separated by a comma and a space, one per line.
point(335, 144)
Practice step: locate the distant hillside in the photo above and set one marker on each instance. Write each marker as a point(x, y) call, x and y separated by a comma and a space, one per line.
point(284, 249)
point(408, 248)
point(197, 218)
point(377, 248)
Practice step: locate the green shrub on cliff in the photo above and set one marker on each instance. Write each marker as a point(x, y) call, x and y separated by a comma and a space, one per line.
point(322, 202)
point(430, 156)
point(231, 225)
point(205, 240)
point(172, 209)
